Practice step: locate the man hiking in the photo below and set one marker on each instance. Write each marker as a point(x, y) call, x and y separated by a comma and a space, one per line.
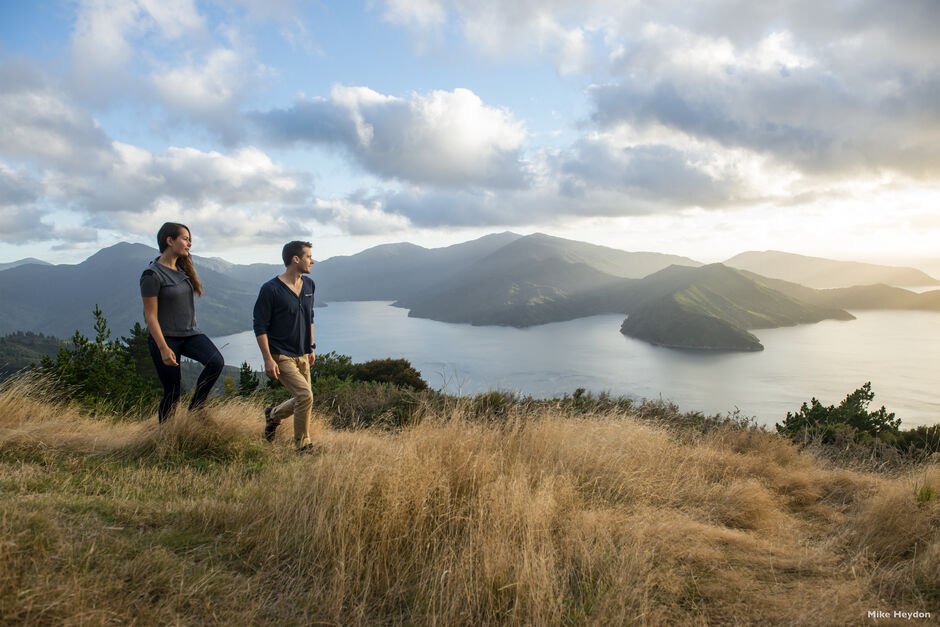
point(283, 323)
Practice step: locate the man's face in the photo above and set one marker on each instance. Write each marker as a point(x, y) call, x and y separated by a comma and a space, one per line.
point(305, 261)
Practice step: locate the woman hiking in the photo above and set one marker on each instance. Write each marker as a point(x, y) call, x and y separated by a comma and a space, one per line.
point(167, 287)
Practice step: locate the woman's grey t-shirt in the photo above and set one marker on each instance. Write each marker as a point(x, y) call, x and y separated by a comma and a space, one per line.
point(176, 310)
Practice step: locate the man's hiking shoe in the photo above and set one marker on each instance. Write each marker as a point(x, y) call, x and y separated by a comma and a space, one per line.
point(269, 425)
point(310, 449)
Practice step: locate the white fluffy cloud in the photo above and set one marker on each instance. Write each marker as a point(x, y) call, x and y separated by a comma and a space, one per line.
point(40, 123)
point(102, 39)
point(441, 138)
point(358, 215)
point(831, 88)
point(20, 225)
point(521, 28)
point(22, 220)
point(779, 99)
point(17, 188)
point(138, 180)
point(76, 166)
point(209, 93)
point(416, 13)
point(143, 51)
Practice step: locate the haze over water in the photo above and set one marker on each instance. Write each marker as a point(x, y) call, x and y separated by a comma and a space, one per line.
point(898, 351)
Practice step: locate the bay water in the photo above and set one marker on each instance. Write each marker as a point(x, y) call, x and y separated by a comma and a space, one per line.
point(898, 351)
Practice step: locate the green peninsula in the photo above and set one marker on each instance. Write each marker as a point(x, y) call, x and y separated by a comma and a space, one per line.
point(713, 307)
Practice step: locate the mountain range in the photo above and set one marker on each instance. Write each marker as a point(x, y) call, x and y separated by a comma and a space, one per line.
point(826, 273)
point(23, 262)
point(502, 279)
point(58, 299)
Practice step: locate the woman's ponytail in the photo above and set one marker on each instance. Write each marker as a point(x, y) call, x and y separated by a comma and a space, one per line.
point(186, 265)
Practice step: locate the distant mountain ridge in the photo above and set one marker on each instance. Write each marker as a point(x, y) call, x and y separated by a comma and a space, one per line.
point(826, 273)
point(23, 262)
point(394, 271)
point(57, 300)
point(534, 280)
point(499, 279)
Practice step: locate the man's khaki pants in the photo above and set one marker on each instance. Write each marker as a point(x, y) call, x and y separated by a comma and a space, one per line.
point(295, 376)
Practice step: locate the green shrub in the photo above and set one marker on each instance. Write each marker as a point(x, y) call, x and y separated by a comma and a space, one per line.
point(361, 404)
point(104, 374)
point(395, 371)
point(851, 417)
point(333, 367)
point(851, 433)
point(248, 381)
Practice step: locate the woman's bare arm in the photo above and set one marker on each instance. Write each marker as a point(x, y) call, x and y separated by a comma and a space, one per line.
point(153, 326)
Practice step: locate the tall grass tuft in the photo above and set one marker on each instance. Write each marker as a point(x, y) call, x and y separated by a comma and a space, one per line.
point(476, 511)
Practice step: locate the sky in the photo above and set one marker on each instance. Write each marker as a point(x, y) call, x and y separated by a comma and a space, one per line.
point(701, 129)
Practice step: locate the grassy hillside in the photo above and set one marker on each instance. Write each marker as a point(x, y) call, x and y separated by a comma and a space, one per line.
point(523, 515)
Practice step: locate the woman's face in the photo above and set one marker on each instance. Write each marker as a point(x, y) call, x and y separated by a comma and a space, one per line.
point(181, 244)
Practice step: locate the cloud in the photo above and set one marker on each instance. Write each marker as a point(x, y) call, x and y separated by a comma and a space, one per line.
point(138, 180)
point(41, 124)
point(147, 50)
point(73, 165)
point(20, 225)
point(389, 210)
point(20, 220)
point(24, 224)
point(834, 89)
point(209, 93)
point(499, 29)
point(101, 46)
point(416, 13)
point(653, 172)
point(17, 188)
point(772, 100)
point(514, 28)
point(441, 138)
point(214, 225)
point(359, 215)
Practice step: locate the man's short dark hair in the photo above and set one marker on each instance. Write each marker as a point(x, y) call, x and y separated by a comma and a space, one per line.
point(293, 249)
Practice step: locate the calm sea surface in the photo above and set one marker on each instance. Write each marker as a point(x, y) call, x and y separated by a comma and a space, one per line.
point(898, 351)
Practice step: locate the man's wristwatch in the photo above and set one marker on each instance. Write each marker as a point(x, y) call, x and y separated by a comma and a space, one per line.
point(313, 347)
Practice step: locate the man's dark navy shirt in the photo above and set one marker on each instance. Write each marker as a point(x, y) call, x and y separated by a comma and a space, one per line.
point(285, 317)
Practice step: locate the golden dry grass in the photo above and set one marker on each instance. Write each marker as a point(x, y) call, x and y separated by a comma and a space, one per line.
point(537, 518)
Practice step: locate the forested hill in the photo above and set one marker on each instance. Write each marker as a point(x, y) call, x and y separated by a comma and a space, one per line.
point(537, 279)
point(20, 350)
point(713, 307)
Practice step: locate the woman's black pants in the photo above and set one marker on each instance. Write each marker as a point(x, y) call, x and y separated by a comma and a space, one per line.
point(198, 347)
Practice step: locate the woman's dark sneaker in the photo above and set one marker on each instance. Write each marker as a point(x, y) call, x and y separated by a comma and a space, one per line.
point(269, 425)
